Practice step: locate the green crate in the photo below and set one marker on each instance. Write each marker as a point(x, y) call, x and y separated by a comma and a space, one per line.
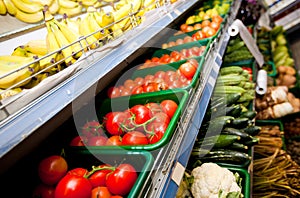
point(273, 71)
point(172, 67)
point(273, 122)
point(125, 102)
point(204, 42)
point(142, 161)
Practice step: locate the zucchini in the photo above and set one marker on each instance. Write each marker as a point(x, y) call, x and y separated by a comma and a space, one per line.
point(240, 122)
point(233, 131)
point(228, 89)
point(238, 146)
point(248, 114)
point(231, 70)
point(217, 124)
point(252, 130)
point(227, 100)
point(221, 156)
point(217, 141)
point(236, 112)
point(252, 142)
point(222, 111)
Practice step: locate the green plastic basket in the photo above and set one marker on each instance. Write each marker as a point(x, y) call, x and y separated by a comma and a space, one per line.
point(125, 102)
point(142, 161)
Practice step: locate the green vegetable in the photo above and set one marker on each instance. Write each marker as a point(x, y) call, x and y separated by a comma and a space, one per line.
point(248, 114)
point(231, 70)
point(252, 130)
point(233, 131)
point(240, 123)
point(217, 141)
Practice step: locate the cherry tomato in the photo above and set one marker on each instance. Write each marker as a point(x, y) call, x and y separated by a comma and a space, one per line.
point(169, 107)
point(141, 113)
point(139, 80)
point(197, 26)
point(116, 196)
point(78, 171)
point(78, 141)
point(150, 87)
point(51, 169)
point(209, 32)
point(114, 140)
point(137, 90)
point(113, 92)
point(97, 141)
point(198, 35)
point(161, 117)
point(43, 191)
point(113, 122)
point(121, 181)
point(183, 27)
point(154, 107)
point(188, 70)
point(217, 18)
point(157, 130)
point(215, 25)
point(92, 128)
point(100, 192)
point(205, 23)
point(73, 186)
point(134, 138)
point(98, 178)
point(189, 28)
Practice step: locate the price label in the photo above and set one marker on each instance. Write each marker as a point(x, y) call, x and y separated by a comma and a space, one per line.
point(177, 173)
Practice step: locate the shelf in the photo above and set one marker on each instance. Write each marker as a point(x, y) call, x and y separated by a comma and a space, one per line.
point(281, 7)
point(28, 119)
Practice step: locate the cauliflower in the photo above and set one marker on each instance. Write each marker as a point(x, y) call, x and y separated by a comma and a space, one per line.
point(210, 179)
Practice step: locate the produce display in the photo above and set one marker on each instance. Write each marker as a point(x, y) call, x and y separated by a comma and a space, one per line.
point(292, 127)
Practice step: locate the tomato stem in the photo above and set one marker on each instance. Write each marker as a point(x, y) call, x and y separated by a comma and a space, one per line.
point(137, 125)
point(97, 168)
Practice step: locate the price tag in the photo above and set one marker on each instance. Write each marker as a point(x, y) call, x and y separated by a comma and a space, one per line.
point(177, 173)
point(238, 27)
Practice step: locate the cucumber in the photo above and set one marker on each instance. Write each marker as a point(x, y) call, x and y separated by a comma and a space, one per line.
point(227, 100)
point(221, 156)
point(240, 123)
point(233, 131)
point(217, 141)
point(222, 111)
point(238, 146)
point(252, 142)
point(252, 130)
point(236, 112)
point(217, 124)
point(248, 114)
point(231, 70)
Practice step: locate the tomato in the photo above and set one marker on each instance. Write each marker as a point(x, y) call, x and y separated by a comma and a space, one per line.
point(113, 122)
point(155, 59)
point(169, 107)
point(217, 18)
point(161, 117)
point(188, 70)
point(165, 58)
point(156, 131)
point(197, 26)
point(248, 69)
point(100, 192)
point(97, 141)
point(78, 141)
point(92, 128)
point(134, 138)
point(78, 171)
point(154, 107)
point(179, 41)
point(183, 27)
point(116, 196)
point(208, 31)
point(215, 25)
point(114, 140)
point(159, 74)
point(139, 81)
point(51, 169)
point(141, 113)
point(125, 91)
point(164, 45)
point(198, 35)
point(194, 62)
point(73, 186)
point(120, 181)
point(129, 84)
point(188, 39)
point(137, 90)
point(171, 44)
point(43, 191)
point(150, 87)
point(189, 28)
point(205, 23)
point(113, 92)
point(98, 178)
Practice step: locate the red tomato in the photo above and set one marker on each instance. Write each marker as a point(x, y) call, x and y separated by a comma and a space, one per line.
point(198, 35)
point(121, 181)
point(141, 113)
point(188, 39)
point(179, 41)
point(139, 81)
point(189, 28)
point(125, 91)
point(208, 31)
point(183, 27)
point(78, 171)
point(134, 138)
point(154, 107)
point(157, 130)
point(137, 90)
point(197, 26)
point(113, 122)
point(217, 18)
point(129, 84)
point(165, 58)
point(98, 178)
point(248, 69)
point(169, 107)
point(73, 186)
point(92, 128)
point(100, 192)
point(194, 62)
point(51, 169)
point(155, 59)
point(116, 196)
point(161, 117)
point(97, 141)
point(113, 92)
point(215, 25)
point(43, 191)
point(160, 74)
point(114, 140)
point(78, 141)
point(188, 70)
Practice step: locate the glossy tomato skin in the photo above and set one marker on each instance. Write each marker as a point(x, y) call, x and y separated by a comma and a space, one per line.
point(157, 130)
point(134, 138)
point(114, 140)
point(169, 107)
point(98, 178)
point(43, 191)
point(73, 186)
point(92, 128)
point(161, 117)
point(100, 192)
point(51, 169)
point(121, 181)
point(78, 141)
point(188, 70)
point(113, 122)
point(97, 141)
point(141, 113)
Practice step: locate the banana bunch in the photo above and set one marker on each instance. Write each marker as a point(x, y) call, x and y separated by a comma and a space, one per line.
point(20, 76)
point(10, 92)
point(70, 7)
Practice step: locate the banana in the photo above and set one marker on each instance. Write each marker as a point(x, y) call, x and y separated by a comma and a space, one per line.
point(11, 8)
point(3, 9)
point(10, 92)
point(71, 11)
point(29, 17)
point(95, 27)
point(105, 20)
point(26, 7)
point(116, 30)
point(88, 3)
point(20, 51)
point(37, 47)
point(68, 3)
point(98, 4)
point(136, 5)
point(72, 24)
point(121, 13)
point(63, 42)
point(36, 80)
point(20, 77)
point(149, 4)
point(53, 7)
point(84, 30)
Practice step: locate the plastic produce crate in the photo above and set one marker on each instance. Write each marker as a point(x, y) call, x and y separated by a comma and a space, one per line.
point(123, 103)
point(142, 161)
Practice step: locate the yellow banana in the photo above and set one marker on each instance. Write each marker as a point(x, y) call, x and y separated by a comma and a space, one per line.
point(149, 5)
point(11, 8)
point(122, 12)
point(20, 76)
point(20, 51)
point(72, 24)
point(68, 3)
point(88, 3)
point(3, 9)
point(116, 30)
point(71, 11)
point(136, 5)
point(26, 7)
point(120, 4)
point(29, 17)
point(84, 30)
point(104, 19)
point(94, 27)
point(63, 42)
point(37, 47)
point(53, 7)
point(10, 92)
point(36, 80)
point(98, 4)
